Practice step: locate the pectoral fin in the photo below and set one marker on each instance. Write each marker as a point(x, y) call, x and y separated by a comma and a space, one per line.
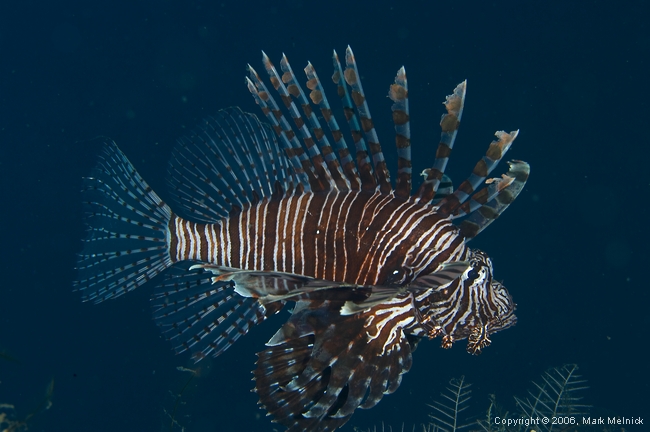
point(445, 274)
point(270, 287)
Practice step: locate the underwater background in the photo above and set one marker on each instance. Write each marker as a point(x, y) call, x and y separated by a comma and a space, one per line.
point(572, 249)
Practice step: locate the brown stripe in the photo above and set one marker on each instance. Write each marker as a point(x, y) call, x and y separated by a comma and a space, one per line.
point(258, 230)
point(340, 236)
point(173, 239)
point(185, 253)
point(311, 238)
point(223, 235)
point(332, 208)
point(334, 252)
point(250, 236)
point(200, 228)
point(380, 268)
point(279, 236)
point(289, 239)
point(270, 236)
point(233, 238)
point(213, 231)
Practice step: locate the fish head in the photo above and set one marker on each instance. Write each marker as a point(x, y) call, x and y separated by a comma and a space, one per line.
point(472, 307)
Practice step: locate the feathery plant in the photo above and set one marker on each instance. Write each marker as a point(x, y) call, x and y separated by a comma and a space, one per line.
point(455, 401)
point(556, 395)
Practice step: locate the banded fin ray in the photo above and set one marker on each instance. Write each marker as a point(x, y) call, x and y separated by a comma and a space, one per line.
point(477, 221)
point(228, 162)
point(353, 79)
point(466, 190)
point(364, 166)
point(321, 169)
point(300, 162)
point(493, 187)
point(293, 88)
point(445, 188)
point(314, 374)
point(318, 97)
point(126, 243)
point(398, 93)
point(318, 163)
point(202, 316)
point(449, 123)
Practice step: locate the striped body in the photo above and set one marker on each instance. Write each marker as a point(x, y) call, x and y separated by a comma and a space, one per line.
point(355, 237)
point(272, 214)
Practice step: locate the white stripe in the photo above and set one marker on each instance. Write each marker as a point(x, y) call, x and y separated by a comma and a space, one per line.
point(344, 220)
point(330, 237)
point(376, 197)
point(378, 243)
point(197, 238)
point(425, 252)
point(190, 236)
point(181, 244)
point(207, 232)
point(400, 237)
point(456, 255)
point(276, 246)
point(244, 243)
point(424, 294)
point(431, 235)
point(284, 230)
point(227, 244)
point(215, 242)
point(221, 244)
point(339, 232)
point(386, 314)
point(336, 228)
point(260, 221)
point(294, 233)
point(396, 326)
point(323, 238)
point(302, 235)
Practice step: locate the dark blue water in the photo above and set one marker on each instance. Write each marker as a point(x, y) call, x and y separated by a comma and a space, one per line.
point(572, 249)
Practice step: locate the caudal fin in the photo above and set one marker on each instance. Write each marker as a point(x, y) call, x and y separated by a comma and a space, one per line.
point(127, 230)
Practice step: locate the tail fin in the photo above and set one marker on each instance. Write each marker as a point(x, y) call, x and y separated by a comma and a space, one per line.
point(127, 230)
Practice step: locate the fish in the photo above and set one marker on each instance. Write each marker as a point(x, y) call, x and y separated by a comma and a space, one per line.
point(287, 212)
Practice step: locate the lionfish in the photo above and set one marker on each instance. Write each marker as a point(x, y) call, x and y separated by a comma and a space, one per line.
point(279, 214)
